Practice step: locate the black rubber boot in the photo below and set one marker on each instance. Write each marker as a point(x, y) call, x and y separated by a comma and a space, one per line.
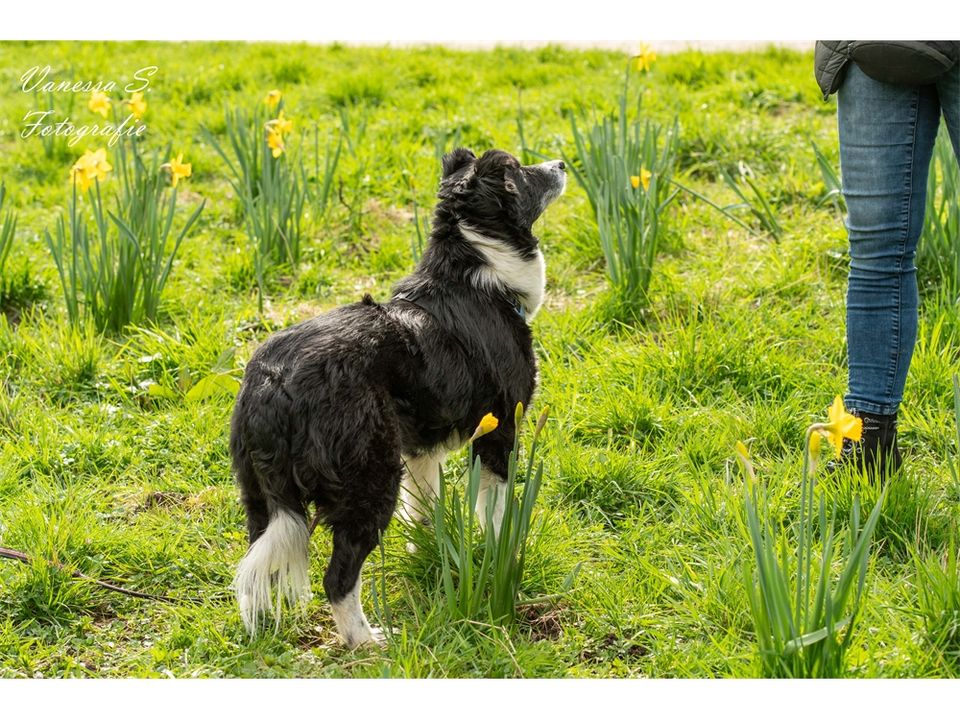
point(876, 455)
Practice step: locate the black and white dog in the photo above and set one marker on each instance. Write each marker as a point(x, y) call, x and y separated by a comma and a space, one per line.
point(344, 409)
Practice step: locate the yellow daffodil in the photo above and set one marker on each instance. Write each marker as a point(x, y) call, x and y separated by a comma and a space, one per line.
point(275, 142)
point(644, 61)
point(272, 99)
point(487, 425)
point(79, 175)
point(99, 103)
point(642, 179)
point(92, 165)
point(100, 165)
point(179, 169)
point(276, 129)
point(138, 106)
point(283, 124)
point(840, 424)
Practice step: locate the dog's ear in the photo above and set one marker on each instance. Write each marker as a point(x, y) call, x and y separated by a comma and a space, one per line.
point(456, 160)
point(496, 168)
point(458, 163)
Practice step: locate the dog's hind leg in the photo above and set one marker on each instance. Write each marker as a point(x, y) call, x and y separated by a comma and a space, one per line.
point(254, 502)
point(357, 529)
point(351, 546)
point(352, 543)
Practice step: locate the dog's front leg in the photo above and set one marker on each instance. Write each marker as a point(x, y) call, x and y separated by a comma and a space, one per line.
point(494, 453)
point(421, 484)
point(493, 490)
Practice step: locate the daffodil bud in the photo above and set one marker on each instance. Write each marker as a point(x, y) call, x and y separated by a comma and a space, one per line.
point(541, 422)
point(272, 99)
point(488, 424)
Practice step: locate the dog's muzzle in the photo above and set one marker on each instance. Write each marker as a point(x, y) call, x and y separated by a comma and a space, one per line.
point(556, 170)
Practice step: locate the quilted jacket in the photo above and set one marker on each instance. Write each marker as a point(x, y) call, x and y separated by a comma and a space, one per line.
point(897, 62)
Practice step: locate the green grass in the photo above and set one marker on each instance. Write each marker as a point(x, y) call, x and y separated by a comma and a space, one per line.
point(938, 255)
point(742, 339)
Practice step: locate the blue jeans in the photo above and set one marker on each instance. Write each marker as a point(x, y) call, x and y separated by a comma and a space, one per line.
point(887, 134)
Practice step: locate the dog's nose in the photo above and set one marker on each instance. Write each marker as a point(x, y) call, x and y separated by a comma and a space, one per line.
point(561, 165)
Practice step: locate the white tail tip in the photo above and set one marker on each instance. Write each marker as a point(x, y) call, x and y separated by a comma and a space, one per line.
point(275, 567)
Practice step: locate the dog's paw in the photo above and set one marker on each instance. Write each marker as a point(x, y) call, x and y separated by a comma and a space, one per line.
point(378, 637)
point(373, 637)
point(412, 548)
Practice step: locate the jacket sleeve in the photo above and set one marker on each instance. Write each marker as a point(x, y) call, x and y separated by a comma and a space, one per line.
point(830, 58)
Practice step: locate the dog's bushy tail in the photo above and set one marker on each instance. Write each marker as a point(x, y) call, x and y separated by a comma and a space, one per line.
point(275, 568)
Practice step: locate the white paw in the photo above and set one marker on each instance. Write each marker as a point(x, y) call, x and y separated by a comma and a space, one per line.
point(377, 636)
point(372, 636)
point(412, 548)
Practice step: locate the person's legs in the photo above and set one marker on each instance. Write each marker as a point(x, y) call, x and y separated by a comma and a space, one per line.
point(948, 90)
point(887, 134)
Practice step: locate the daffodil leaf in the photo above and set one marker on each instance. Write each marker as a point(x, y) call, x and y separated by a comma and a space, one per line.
point(211, 385)
point(160, 391)
point(816, 636)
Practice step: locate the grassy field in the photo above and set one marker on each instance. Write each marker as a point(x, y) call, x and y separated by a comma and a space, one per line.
point(743, 340)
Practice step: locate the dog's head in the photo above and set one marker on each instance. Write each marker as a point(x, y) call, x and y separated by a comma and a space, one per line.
point(494, 201)
point(495, 193)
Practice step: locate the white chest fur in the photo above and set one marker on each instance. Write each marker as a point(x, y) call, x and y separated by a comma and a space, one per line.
point(505, 269)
